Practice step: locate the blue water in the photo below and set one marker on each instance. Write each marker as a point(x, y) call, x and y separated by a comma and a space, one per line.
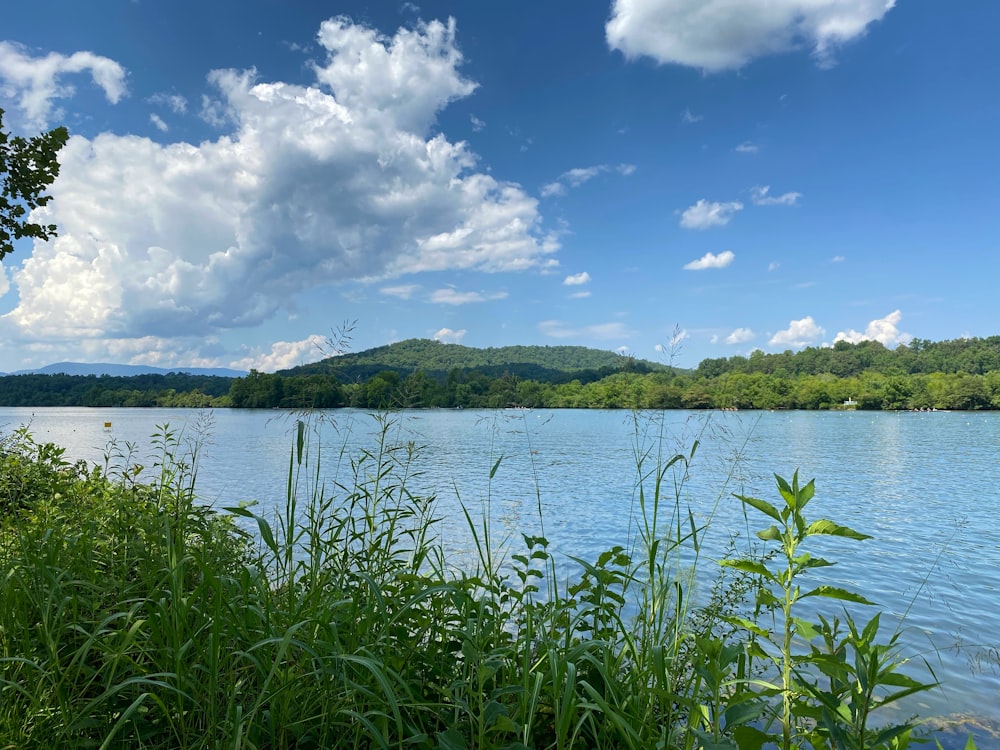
point(926, 486)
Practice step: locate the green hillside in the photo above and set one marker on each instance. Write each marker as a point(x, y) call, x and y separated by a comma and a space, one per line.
point(548, 364)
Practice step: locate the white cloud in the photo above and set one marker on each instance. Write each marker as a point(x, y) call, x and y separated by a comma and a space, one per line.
point(557, 329)
point(761, 196)
point(884, 330)
point(711, 260)
point(717, 35)
point(579, 295)
point(448, 336)
point(799, 333)
point(403, 291)
point(477, 124)
point(740, 336)
point(284, 355)
point(314, 185)
point(747, 147)
point(704, 214)
point(553, 188)
point(837, 259)
point(4, 280)
point(580, 175)
point(403, 80)
point(689, 117)
point(450, 296)
point(773, 265)
point(577, 279)
point(175, 102)
point(158, 122)
point(36, 81)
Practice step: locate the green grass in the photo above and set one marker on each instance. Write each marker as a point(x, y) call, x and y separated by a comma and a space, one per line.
point(131, 616)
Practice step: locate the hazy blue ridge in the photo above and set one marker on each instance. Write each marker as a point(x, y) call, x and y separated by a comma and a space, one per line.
point(108, 368)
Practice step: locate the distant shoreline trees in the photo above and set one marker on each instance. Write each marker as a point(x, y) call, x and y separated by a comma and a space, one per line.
point(956, 375)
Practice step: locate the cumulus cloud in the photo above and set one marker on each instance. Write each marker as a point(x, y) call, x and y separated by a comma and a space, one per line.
point(579, 175)
point(577, 279)
point(705, 214)
point(448, 336)
point(711, 260)
point(717, 35)
point(740, 336)
point(451, 296)
point(341, 180)
point(799, 333)
point(34, 82)
point(284, 355)
point(884, 330)
point(4, 281)
point(761, 196)
point(477, 124)
point(557, 329)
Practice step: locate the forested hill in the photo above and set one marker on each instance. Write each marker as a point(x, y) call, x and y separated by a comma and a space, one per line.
point(545, 364)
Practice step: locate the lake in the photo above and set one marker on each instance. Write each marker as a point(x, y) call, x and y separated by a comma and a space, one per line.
point(925, 485)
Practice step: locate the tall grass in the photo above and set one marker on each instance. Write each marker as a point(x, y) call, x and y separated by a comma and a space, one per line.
point(131, 616)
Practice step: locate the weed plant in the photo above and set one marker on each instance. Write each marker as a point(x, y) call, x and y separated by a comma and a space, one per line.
point(131, 616)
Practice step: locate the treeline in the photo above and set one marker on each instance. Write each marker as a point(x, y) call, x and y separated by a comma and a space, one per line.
point(625, 390)
point(962, 374)
point(975, 356)
point(173, 389)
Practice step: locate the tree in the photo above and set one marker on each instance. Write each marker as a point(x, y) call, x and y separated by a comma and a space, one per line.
point(28, 166)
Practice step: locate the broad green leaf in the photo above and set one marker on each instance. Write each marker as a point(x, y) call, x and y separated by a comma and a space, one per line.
point(762, 505)
point(770, 534)
point(829, 528)
point(747, 625)
point(805, 562)
point(833, 592)
point(748, 566)
point(451, 739)
point(805, 628)
point(751, 738)
point(743, 713)
point(707, 742)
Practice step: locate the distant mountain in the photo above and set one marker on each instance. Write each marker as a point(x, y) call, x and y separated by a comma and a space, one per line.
point(106, 368)
point(553, 364)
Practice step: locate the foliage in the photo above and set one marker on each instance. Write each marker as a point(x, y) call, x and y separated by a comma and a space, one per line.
point(826, 694)
point(549, 364)
point(28, 167)
point(173, 389)
point(131, 616)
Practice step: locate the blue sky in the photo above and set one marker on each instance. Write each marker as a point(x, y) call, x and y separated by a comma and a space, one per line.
point(678, 179)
